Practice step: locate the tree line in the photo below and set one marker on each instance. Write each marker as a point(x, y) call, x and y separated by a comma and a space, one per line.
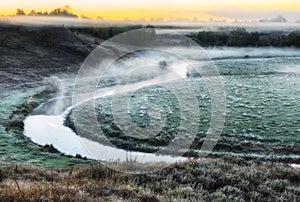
point(241, 38)
point(66, 11)
point(106, 32)
point(236, 38)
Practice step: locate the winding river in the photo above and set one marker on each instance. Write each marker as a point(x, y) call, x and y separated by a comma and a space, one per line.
point(45, 126)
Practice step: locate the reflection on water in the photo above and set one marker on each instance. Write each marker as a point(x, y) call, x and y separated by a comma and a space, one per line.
point(43, 130)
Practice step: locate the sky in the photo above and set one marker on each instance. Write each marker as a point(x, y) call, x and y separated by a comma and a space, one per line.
point(166, 9)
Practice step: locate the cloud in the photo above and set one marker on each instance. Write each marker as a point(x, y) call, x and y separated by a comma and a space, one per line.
point(277, 19)
point(290, 15)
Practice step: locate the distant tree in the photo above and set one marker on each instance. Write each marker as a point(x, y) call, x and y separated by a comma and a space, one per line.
point(20, 12)
point(65, 11)
point(206, 38)
point(238, 37)
point(223, 38)
point(100, 32)
point(275, 41)
point(150, 26)
point(68, 8)
point(241, 38)
point(32, 13)
point(293, 39)
point(253, 39)
point(56, 11)
point(42, 13)
point(113, 31)
point(264, 41)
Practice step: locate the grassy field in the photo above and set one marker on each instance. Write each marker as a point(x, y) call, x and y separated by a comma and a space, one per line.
point(261, 115)
point(224, 179)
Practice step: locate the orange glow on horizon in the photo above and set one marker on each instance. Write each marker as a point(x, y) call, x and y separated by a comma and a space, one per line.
point(134, 9)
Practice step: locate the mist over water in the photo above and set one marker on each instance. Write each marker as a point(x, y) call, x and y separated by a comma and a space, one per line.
point(130, 73)
point(145, 68)
point(145, 65)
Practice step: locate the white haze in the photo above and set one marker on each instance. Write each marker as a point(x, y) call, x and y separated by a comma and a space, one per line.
point(183, 26)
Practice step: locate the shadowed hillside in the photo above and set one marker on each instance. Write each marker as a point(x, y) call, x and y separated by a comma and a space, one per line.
point(26, 50)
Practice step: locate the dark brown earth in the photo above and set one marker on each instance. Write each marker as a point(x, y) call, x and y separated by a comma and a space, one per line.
point(28, 54)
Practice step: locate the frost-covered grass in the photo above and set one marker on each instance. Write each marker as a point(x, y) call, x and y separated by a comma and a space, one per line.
point(15, 148)
point(223, 179)
point(261, 112)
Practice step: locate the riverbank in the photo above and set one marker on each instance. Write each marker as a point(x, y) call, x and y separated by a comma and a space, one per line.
point(30, 54)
